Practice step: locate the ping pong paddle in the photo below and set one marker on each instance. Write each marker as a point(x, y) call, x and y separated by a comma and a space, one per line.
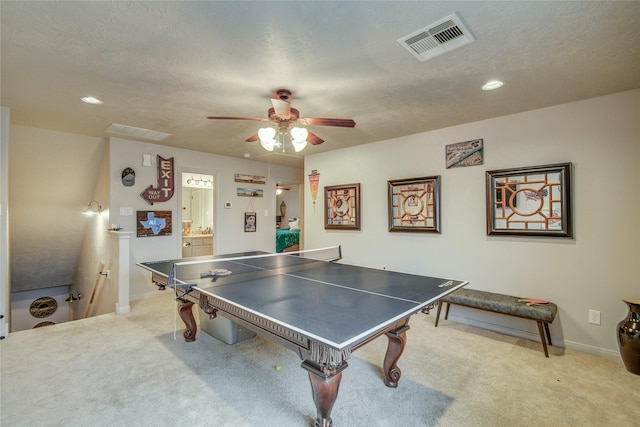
point(216, 272)
point(533, 301)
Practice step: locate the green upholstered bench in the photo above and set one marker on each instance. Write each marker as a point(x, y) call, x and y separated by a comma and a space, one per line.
point(543, 314)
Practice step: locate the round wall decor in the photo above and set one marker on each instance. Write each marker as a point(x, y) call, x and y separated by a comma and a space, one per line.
point(43, 307)
point(128, 177)
point(41, 324)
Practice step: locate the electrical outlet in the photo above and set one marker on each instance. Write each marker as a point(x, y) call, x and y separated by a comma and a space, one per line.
point(594, 317)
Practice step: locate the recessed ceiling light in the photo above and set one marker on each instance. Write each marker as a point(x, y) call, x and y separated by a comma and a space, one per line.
point(493, 84)
point(91, 100)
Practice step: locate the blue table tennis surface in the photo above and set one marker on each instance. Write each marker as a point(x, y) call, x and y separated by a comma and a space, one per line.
point(334, 303)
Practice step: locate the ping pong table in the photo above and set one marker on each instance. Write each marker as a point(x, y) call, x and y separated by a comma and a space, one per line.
point(308, 302)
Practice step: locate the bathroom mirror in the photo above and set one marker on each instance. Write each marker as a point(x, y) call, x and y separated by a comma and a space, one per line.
point(197, 204)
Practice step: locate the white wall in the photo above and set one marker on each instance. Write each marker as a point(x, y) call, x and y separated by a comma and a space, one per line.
point(5, 277)
point(52, 176)
point(595, 270)
point(97, 252)
point(229, 233)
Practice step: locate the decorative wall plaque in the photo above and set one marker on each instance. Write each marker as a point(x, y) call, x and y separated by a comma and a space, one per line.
point(468, 153)
point(43, 324)
point(43, 307)
point(164, 190)
point(153, 223)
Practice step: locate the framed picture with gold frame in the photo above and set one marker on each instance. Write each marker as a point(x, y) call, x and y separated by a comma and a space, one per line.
point(530, 201)
point(414, 204)
point(342, 207)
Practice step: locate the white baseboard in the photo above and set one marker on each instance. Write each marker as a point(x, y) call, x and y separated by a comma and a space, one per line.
point(149, 294)
point(122, 310)
point(596, 351)
point(557, 342)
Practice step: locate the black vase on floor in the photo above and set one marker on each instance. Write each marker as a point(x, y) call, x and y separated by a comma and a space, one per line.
point(629, 337)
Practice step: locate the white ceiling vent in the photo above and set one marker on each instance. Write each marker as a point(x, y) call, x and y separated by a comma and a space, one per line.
point(440, 37)
point(138, 133)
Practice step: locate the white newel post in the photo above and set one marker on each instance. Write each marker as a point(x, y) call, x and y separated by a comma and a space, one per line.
point(122, 271)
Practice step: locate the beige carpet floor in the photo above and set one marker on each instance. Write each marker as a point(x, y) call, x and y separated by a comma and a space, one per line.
point(130, 371)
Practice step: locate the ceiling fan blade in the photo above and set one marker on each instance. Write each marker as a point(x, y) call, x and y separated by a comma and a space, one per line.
point(282, 108)
point(314, 139)
point(253, 138)
point(345, 123)
point(236, 118)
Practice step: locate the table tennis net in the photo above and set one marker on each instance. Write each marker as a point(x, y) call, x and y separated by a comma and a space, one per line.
point(227, 265)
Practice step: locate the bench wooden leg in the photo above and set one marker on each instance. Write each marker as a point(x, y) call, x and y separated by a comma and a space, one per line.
point(546, 328)
point(446, 313)
point(542, 337)
point(438, 312)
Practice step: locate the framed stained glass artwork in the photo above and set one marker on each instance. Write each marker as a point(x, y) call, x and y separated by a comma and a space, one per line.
point(342, 207)
point(530, 201)
point(414, 204)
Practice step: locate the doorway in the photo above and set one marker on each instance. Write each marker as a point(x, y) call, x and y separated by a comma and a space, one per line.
point(289, 218)
point(197, 214)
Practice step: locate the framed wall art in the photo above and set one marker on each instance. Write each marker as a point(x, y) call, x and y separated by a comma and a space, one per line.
point(468, 153)
point(530, 201)
point(342, 207)
point(153, 223)
point(250, 222)
point(414, 204)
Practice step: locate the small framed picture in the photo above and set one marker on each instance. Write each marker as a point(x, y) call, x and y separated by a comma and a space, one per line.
point(414, 204)
point(468, 153)
point(342, 207)
point(530, 201)
point(249, 222)
point(153, 223)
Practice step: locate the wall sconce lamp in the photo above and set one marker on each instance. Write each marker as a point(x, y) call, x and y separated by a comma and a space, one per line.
point(92, 208)
point(74, 296)
point(200, 182)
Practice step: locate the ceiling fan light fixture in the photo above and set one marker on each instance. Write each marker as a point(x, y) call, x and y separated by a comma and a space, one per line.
point(299, 134)
point(299, 138)
point(283, 118)
point(268, 145)
point(298, 145)
point(266, 138)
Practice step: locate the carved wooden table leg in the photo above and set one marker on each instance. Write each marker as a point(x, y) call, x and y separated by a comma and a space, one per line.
point(186, 314)
point(325, 383)
point(397, 341)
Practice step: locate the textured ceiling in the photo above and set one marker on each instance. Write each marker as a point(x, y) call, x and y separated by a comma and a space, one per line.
point(165, 66)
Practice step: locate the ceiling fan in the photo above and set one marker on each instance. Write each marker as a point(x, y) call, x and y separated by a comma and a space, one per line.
point(286, 118)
